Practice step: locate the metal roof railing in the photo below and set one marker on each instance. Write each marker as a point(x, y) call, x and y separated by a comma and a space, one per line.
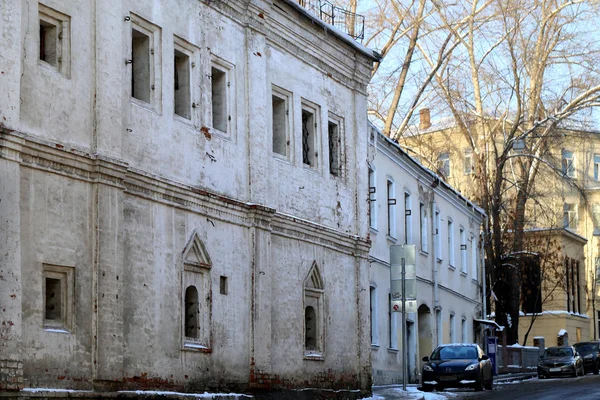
point(348, 22)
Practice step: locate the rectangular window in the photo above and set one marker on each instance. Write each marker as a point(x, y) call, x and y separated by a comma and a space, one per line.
point(597, 167)
point(219, 84)
point(468, 161)
point(280, 103)
point(58, 291)
point(223, 289)
point(568, 163)
point(596, 218)
point(372, 199)
point(423, 227)
point(373, 314)
point(439, 326)
point(463, 251)
point(474, 245)
point(570, 216)
point(54, 39)
point(309, 138)
point(407, 219)
point(463, 329)
point(450, 244)
point(452, 333)
point(181, 84)
point(391, 209)
point(437, 233)
point(443, 165)
point(335, 147)
point(145, 61)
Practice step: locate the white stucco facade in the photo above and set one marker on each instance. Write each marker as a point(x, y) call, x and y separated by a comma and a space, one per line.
point(138, 160)
point(445, 228)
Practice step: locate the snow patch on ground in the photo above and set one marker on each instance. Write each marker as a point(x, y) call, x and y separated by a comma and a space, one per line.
point(195, 395)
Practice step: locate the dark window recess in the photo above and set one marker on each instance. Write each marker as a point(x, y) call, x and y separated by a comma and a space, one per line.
point(279, 125)
point(140, 69)
point(334, 149)
point(220, 115)
point(223, 285)
point(182, 101)
point(48, 43)
point(531, 285)
point(191, 312)
point(310, 324)
point(308, 138)
point(53, 299)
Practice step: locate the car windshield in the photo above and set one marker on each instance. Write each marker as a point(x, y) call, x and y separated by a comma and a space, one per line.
point(586, 348)
point(454, 353)
point(558, 352)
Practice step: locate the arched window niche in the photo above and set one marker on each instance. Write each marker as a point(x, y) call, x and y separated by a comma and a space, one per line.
point(314, 317)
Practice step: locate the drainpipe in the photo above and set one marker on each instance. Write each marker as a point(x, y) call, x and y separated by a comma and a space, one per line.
point(484, 288)
point(434, 267)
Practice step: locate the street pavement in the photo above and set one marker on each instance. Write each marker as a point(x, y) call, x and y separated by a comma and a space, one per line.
point(513, 387)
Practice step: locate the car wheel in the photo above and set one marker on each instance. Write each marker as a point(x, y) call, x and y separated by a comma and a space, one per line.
point(479, 384)
point(427, 388)
point(490, 385)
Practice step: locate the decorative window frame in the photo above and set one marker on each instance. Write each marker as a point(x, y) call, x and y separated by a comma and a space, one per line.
point(287, 97)
point(340, 149)
point(314, 296)
point(193, 53)
point(315, 110)
point(62, 23)
point(66, 275)
point(228, 69)
point(197, 267)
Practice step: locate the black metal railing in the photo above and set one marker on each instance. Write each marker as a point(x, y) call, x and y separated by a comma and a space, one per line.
point(348, 22)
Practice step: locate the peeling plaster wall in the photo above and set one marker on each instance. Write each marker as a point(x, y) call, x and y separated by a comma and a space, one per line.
point(112, 189)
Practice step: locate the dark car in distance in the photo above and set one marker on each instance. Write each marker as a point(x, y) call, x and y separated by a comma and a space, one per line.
point(560, 361)
point(457, 365)
point(590, 353)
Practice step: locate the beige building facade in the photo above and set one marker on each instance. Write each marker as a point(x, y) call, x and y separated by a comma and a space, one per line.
point(411, 205)
point(183, 197)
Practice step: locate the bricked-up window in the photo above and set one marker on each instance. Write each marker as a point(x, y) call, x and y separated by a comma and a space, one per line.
point(140, 63)
point(309, 141)
point(314, 314)
point(54, 39)
point(191, 312)
point(220, 113)
point(196, 296)
point(58, 291)
point(181, 84)
point(334, 140)
point(280, 102)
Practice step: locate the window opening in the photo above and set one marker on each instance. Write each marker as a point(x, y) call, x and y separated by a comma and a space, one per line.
point(570, 216)
point(191, 312)
point(568, 163)
point(407, 219)
point(334, 149)
point(372, 200)
point(223, 285)
point(219, 99)
point(463, 251)
point(310, 323)
point(391, 209)
point(48, 43)
point(140, 60)
point(423, 227)
point(280, 125)
point(309, 126)
point(468, 161)
point(450, 243)
point(597, 167)
point(444, 165)
point(373, 314)
point(181, 84)
point(53, 300)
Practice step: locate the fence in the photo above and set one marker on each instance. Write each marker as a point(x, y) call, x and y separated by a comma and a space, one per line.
point(510, 359)
point(346, 21)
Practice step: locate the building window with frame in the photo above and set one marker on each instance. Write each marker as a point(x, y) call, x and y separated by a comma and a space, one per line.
point(474, 245)
point(423, 227)
point(373, 314)
point(280, 102)
point(221, 82)
point(439, 326)
point(372, 199)
point(450, 243)
point(310, 127)
point(438, 236)
point(463, 251)
point(443, 165)
point(597, 167)
point(336, 148)
point(463, 330)
point(185, 58)
point(452, 329)
point(391, 209)
point(570, 216)
point(196, 296)
point(145, 62)
point(58, 293)
point(407, 218)
point(314, 318)
point(596, 218)
point(54, 40)
point(568, 163)
point(468, 161)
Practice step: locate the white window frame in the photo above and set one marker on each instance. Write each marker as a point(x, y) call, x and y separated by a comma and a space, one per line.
point(474, 248)
point(596, 167)
point(154, 64)
point(438, 235)
point(391, 202)
point(286, 97)
point(468, 168)
point(373, 197)
point(451, 252)
point(193, 53)
point(229, 70)
point(570, 216)
point(66, 276)
point(408, 234)
point(313, 155)
point(339, 147)
point(443, 164)
point(568, 163)
point(62, 24)
point(463, 250)
point(423, 227)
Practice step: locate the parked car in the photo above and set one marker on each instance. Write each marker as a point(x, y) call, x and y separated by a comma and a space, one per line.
point(457, 365)
point(560, 361)
point(590, 352)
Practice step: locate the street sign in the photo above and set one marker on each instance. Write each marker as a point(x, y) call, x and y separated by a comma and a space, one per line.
point(398, 254)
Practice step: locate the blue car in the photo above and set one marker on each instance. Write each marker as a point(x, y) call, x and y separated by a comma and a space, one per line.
point(457, 365)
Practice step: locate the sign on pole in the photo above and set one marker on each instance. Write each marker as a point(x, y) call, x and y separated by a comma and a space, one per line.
point(408, 253)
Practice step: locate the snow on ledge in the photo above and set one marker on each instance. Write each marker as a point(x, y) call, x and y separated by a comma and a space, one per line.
point(204, 395)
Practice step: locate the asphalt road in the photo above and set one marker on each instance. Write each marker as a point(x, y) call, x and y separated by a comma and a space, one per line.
point(582, 388)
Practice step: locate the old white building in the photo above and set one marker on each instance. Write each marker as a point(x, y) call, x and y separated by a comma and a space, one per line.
point(182, 197)
point(411, 205)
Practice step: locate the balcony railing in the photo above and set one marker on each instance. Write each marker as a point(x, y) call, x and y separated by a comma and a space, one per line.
point(348, 22)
